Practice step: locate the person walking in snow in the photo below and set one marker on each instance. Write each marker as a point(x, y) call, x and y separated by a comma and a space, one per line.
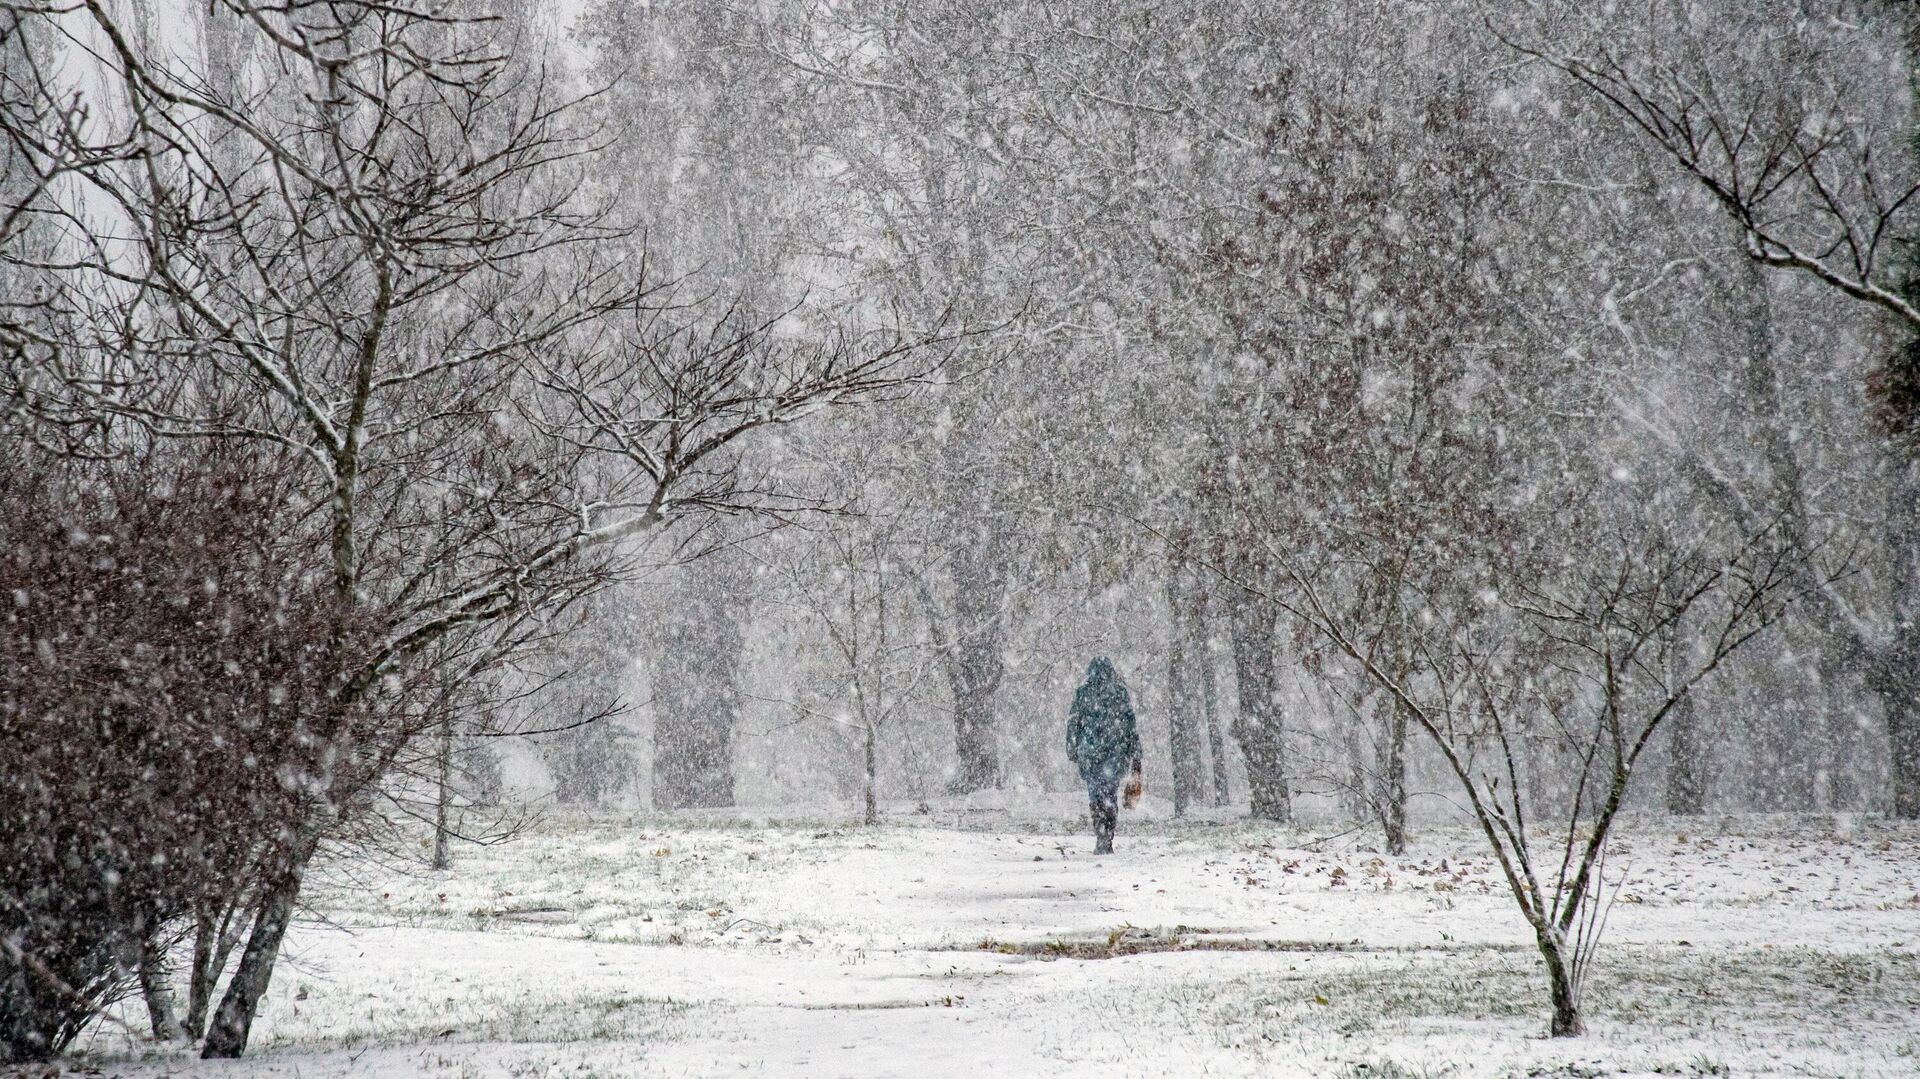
point(1103, 742)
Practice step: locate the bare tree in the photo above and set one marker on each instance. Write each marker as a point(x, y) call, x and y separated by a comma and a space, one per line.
point(157, 644)
point(1576, 658)
point(369, 259)
point(1811, 163)
point(847, 593)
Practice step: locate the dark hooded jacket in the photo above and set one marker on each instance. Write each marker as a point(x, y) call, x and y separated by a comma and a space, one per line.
point(1101, 736)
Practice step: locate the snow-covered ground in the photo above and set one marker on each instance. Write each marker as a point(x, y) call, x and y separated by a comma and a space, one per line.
point(991, 943)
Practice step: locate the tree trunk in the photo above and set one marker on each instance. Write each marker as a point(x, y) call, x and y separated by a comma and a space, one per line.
point(1838, 693)
point(1898, 386)
point(1903, 729)
point(1210, 702)
point(1184, 716)
point(1393, 781)
point(1357, 800)
point(233, 1023)
point(873, 779)
point(214, 937)
point(1687, 765)
point(1893, 682)
point(161, 1012)
point(1896, 677)
point(1686, 771)
point(442, 804)
point(1259, 725)
point(1562, 989)
point(974, 663)
point(975, 739)
point(1824, 751)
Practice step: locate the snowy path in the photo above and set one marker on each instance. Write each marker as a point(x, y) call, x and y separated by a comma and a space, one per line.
point(660, 949)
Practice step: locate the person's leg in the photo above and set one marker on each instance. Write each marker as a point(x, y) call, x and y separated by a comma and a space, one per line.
point(1113, 812)
point(1102, 794)
point(1093, 810)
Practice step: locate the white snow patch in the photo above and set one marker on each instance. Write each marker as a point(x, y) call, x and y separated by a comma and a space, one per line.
point(654, 946)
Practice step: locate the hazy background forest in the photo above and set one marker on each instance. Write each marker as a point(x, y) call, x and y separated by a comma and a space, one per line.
point(1363, 288)
point(415, 417)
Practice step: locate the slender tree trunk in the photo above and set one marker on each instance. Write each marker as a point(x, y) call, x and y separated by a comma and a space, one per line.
point(443, 803)
point(1824, 756)
point(211, 946)
point(1183, 706)
point(1903, 729)
point(233, 1023)
point(162, 1014)
point(1357, 801)
point(873, 779)
point(1562, 989)
point(1259, 725)
point(1896, 677)
point(1393, 780)
point(1844, 778)
point(1760, 423)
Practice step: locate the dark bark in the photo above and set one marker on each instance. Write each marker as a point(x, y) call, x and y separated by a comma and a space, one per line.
point(1897, 388)
point(1903, 732)
point(1686, 753)
point(214, 936)
point(1686, 770)
point(162, 1014)
point(1393, 781)
point(1839, 732)
point(1260, 724)
point(233, 1023)
point(203, 975)
point(1561, 988)
point(1896, 676)
point(1893, 681)
point(1356, 794)
point(1388, 793)
point(1891, 666)
point(1888, 665)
